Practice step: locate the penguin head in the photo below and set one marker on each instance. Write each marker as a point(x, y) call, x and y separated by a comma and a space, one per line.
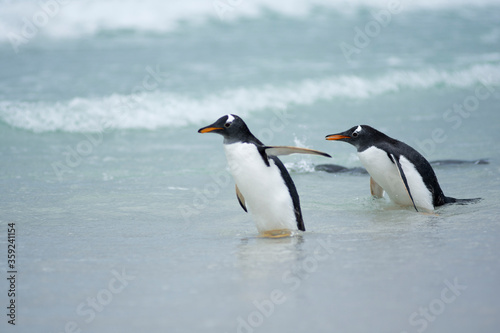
point(231, 127)
point(359, 136)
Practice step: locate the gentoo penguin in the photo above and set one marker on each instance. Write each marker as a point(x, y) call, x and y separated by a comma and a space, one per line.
point(263, 185)
point(397, 169)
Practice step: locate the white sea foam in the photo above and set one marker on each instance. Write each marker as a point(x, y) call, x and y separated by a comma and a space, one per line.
point(161, 109)
point(72, 19)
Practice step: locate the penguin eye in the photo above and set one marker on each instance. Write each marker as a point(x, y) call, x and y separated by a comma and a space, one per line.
point(355, 134)
point(227, 124)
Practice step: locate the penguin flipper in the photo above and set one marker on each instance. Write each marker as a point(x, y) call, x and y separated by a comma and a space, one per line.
point(376, 190)
point(403, 178)
point(241, 198)
point(287, 150)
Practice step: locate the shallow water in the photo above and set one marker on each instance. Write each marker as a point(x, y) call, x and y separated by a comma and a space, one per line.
point(126, 218)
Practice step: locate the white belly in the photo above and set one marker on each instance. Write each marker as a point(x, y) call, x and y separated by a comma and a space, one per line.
point(266, 194)
point(386, 174)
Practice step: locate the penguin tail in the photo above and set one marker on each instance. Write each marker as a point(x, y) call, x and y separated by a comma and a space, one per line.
point(449, 200)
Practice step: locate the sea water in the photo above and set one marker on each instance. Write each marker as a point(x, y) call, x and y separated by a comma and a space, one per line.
point(126, 218)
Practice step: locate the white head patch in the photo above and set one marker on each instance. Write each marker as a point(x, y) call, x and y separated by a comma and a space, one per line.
point(230, 119)
point(359, 129)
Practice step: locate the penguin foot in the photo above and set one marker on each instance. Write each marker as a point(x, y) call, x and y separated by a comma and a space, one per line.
point(430, 214)
point(280, 233)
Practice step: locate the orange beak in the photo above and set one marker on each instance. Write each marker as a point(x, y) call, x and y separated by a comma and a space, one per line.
point(336, 137)
point(209, 129)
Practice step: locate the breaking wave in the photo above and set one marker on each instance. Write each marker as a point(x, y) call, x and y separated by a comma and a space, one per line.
point(163, 109)
point(74, 19)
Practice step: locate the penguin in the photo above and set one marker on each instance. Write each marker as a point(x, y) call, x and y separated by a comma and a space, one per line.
point(263, 185)
point(397, 168)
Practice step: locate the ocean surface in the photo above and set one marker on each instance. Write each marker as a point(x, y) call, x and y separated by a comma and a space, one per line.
point(126, 218)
